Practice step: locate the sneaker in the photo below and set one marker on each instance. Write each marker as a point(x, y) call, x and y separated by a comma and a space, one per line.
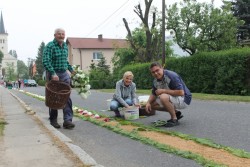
point(172, 122)
point(178, 115)
point(55, 124)
point(68, 125)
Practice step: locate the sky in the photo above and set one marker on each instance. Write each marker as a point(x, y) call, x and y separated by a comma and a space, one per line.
point(29, 23)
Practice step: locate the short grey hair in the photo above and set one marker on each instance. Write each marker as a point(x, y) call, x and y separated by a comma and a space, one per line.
point(58, 29)
point(128, 73)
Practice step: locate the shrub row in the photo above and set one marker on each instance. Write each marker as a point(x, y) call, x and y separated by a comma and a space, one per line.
point(222, 72)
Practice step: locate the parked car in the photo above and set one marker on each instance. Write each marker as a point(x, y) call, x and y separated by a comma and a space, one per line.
point(31, 82)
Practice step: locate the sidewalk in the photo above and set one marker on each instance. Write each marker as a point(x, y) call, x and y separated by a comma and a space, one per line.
point(28, 141)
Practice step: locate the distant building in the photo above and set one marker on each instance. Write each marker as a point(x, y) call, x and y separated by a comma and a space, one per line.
point(7, 58)
point(85, 51)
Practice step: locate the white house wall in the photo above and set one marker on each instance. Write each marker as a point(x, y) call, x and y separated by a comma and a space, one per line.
point(87, 57)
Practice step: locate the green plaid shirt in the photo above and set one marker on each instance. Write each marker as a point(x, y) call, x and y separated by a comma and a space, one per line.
point(55, 57)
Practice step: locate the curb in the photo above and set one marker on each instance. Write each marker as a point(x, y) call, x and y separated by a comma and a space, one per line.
point(77, 151)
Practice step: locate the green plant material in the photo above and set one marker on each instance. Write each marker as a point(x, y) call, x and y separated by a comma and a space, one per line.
point(165, 148)
point(203, 96)
point(2, 124)
point(141, 129)
point(189, 155)
point(238, 152)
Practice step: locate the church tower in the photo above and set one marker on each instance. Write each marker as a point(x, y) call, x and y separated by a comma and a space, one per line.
point(8, 60)
point(3, 37)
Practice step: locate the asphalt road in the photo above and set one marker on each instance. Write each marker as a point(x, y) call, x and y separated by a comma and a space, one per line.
point(225, 123)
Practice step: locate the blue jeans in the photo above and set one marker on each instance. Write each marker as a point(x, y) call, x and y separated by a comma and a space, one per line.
point(114, 105)
point(67, 111)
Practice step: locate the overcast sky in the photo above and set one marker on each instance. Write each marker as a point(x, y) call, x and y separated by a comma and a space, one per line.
point(31, 22)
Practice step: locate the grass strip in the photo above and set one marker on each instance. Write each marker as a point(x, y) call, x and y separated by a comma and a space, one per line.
point(165, 148)
point(207, 142)
point(2, 124)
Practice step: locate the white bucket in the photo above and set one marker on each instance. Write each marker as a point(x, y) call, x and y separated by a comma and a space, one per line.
point(108, 104)
point(131, 113)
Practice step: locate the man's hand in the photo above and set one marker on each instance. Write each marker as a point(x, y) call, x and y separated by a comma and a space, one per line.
point(148, 107)
point(73, 73)
point(158, 92)
point(55, 78)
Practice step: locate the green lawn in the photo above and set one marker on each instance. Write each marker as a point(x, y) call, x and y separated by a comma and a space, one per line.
point(200, 96)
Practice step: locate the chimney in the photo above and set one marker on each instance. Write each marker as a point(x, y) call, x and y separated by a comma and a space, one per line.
point(100, 37)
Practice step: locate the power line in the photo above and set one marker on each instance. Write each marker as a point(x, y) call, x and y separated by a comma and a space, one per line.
point(107, 18)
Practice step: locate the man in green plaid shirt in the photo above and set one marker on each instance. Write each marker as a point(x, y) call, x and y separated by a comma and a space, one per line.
point(55, 61)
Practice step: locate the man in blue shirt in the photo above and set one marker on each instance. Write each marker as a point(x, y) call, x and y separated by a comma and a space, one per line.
point(169, 93)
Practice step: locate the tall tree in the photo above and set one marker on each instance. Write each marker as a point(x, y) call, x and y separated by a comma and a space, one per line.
point(22, 69)
point(202, 27)
point(39, 63)
point(102, 66)
point(241, 9)
point(10, 72)
point(153, 37)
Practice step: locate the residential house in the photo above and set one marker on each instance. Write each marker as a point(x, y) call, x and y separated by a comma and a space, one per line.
point(85, 51)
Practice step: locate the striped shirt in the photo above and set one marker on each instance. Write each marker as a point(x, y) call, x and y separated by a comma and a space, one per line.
point(55, 57)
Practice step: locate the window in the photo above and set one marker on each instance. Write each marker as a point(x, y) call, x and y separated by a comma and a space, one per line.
point(97, 55)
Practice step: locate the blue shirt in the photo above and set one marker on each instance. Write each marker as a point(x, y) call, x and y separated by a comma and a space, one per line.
point(173, 81)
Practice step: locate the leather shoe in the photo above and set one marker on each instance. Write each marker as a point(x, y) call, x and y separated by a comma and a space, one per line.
point(68, 125)
point(55, 124)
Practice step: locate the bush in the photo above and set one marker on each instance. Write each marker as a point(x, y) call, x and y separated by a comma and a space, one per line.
point(41, 82)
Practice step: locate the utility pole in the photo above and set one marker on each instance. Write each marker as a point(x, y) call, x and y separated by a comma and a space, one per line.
point(163, 34)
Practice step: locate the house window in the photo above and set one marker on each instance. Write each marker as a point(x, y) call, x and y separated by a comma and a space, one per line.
point(97, 55)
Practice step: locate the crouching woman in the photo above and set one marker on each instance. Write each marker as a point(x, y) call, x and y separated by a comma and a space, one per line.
point(124, 95)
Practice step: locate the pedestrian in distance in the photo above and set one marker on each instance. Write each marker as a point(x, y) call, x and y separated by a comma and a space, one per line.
point(55, 61)
point(169, 93)
point(125, 94)
point(19, 84)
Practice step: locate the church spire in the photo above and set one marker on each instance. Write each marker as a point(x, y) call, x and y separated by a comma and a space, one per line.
point(2, 29)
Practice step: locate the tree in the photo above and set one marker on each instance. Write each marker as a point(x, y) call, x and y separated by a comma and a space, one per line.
point(152, 34)
point(10, 72)
point(102, 66)
point(1, 56)
point(99, 75)
point(241, 10)
point(201, 26)
point(22, 69)
point(39, 59)
point(13, 53)
point(122, 57)
point(125, 56)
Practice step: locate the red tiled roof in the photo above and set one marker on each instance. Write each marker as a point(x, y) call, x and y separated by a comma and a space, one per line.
point(101, 43)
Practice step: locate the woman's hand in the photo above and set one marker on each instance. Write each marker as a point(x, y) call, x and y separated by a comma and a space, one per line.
point(138, 105)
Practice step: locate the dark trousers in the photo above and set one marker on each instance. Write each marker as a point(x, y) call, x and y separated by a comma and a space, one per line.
point(67, 111)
